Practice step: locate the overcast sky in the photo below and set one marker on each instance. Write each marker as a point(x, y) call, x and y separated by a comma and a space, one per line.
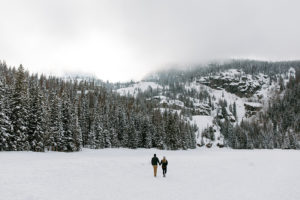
point(118, 40)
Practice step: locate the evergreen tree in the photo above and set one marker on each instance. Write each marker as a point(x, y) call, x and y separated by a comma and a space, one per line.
point(36, 119)
point(159, 132)
point(6, 138)
point(132, 136)
point(68, 139)
point(234, 111)
point(75, 129)
point(55, 133)
point(19, 113)
point(92, 137)
point(84, 117)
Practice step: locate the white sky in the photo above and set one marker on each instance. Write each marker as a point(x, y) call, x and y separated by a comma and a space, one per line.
point(119, 40)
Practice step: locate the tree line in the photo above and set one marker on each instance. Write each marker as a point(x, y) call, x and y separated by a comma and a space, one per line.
point(39, 113)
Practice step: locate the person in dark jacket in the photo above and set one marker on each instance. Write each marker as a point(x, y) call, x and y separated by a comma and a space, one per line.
point(164, 164)
point(154, 163)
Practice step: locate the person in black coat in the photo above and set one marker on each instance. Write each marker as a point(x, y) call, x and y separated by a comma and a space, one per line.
point(164, 164)
point(154, 162)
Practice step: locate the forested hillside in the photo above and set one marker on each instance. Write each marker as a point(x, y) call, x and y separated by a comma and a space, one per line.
point(41, 113)
point(277, 127)
point(238, 103)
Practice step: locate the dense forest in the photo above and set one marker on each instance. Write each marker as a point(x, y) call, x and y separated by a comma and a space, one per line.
point(39, 113)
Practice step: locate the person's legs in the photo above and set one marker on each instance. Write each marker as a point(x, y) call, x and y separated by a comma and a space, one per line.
point(155, 169)
point(164, 171)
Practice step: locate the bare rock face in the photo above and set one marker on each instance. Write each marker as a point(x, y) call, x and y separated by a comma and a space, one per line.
point(235, 82)
point(252, 108)
point(202, 109)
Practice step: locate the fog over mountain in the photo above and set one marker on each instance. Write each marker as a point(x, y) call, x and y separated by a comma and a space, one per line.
point(121, 40)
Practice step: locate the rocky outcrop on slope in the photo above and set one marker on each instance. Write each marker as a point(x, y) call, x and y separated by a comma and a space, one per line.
point(236, 82)
point(252, 108)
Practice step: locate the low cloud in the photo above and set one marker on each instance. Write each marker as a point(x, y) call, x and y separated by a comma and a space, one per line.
point(122, 40)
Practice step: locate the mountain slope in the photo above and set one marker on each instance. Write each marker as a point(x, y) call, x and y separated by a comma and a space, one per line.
point(217, 96)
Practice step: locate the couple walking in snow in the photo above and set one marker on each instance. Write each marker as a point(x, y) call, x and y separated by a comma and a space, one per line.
point(163, 164)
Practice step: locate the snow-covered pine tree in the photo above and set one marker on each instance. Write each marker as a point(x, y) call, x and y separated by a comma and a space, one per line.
point(268, 135)
point(99, 135)
point(234, 111)
point(137, 119)
point(146, 134)
point(19, 113)
point(68, 139)
point(54, 139)
point(132, 136)
point(107, 139)
point(159, 133)
point(6, 140)
point(121, 126)
point(184, 136)
point(84, 117)
point(112, 124)
point(191, 131)
point(171, 132)
point(75, 129)
point(36, 119)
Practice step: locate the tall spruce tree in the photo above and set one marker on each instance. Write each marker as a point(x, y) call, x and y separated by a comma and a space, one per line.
point(19, 113)
point(68, 139)
point(36, 119)
point(6, 138)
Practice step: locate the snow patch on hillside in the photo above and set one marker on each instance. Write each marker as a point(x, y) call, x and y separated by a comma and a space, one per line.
point(253, 104)
point(202, 121)
point(134, 89)
point(292, 72)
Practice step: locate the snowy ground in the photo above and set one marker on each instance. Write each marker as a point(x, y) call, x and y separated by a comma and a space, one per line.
point(127, 174)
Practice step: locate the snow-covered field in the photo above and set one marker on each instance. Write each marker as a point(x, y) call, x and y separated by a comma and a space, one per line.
point(127, 174)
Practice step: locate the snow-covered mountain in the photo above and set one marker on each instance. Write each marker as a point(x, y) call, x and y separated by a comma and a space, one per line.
point(201, 98)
